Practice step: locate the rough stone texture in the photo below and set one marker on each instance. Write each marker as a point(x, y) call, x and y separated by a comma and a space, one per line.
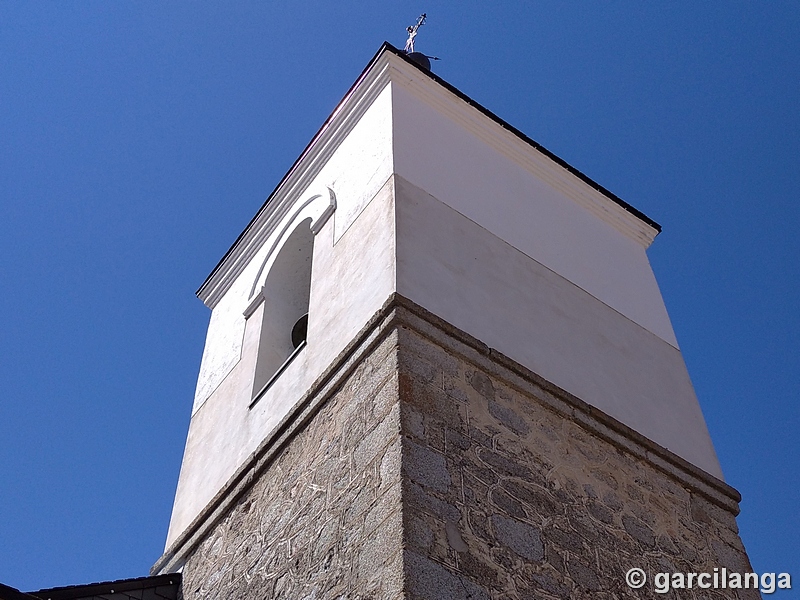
point(543, 508)
point(323, 520)
point(428, 475)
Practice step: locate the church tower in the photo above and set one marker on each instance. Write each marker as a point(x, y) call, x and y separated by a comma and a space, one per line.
point(439, 366)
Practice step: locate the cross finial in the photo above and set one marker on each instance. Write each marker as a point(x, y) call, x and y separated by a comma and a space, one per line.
point(412, 33)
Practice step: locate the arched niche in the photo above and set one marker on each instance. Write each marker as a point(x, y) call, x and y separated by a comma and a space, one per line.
point(283, 286)
point(286, 295)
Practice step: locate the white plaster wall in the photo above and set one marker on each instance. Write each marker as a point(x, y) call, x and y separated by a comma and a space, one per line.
point(350, 282)
point(223, 347)
point(443, 158)
point(352, 276)
point(358, 168)
point(362, 163)
point(478, 282)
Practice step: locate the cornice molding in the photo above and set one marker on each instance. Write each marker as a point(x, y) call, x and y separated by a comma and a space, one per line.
point(387, 66)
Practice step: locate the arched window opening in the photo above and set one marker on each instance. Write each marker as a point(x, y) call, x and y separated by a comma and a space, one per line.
point(286, 292)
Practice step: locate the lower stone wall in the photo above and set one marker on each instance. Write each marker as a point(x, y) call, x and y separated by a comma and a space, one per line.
point(433, 469)
point(506, 498)
point(323, 520)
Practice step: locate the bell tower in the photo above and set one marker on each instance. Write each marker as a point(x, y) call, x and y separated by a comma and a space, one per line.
point(439, 365)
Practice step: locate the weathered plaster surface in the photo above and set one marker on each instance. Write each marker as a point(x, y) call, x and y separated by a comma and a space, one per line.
point(465, 274)
point(356, 171)
point(494, 190)
point(362, 163)
point(350, 281)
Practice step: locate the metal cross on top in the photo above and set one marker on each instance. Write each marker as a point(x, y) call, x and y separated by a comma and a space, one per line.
point(412, 33)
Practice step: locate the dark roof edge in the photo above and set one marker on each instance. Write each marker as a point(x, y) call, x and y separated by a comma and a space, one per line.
point(106, 587)
point(386, 46)
point(560, 161)
point(11, 593)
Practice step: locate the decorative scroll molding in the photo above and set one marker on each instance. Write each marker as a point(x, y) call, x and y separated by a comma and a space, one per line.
point(314, 208)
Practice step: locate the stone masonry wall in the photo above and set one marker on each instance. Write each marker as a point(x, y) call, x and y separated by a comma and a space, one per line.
point(504, 498)
point(436, 470)
point(323, 520)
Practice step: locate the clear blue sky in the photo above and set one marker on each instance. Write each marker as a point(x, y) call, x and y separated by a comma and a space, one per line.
point(138, 139)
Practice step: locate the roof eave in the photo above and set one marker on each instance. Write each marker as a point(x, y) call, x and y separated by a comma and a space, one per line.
point(209, 292)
